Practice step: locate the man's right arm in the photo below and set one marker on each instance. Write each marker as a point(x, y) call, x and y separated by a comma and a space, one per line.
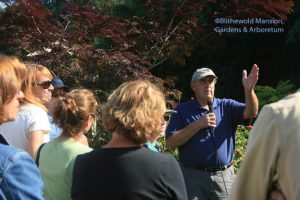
point(182, 136)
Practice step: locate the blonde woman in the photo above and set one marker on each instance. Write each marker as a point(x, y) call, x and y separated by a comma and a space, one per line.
point(74, 115)
point(31, 127)
point(124, 169)
point(19, 176)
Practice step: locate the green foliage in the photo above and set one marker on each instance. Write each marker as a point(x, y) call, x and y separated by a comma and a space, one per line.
point(106, 6)
point(161, 146)
point(99, 138)
point(267, 94)
point(242, 135)
point(128, 8)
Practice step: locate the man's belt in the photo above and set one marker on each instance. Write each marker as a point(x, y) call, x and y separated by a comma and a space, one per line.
point(209, 169)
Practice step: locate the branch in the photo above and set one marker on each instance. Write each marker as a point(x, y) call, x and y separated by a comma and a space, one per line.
point(164, 59)
point(158, 63)
point(167, 35)
point(36, 24)
point(67, 25)
point(172, 20)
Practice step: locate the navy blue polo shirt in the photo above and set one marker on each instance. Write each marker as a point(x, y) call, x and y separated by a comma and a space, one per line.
point(200, 149)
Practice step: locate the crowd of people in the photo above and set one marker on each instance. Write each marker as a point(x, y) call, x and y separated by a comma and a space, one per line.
point(45, 153)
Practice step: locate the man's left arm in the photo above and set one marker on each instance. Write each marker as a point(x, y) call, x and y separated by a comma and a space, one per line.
point(251, 100)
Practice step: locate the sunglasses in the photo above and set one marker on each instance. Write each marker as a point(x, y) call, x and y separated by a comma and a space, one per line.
point(45, 84)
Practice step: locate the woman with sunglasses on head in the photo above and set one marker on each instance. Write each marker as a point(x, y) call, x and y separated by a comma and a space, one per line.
point(74, 115)
point(31, 127)
point(19, 176)
point(124, 169)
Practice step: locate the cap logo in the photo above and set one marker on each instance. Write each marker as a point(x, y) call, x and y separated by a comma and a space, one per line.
point(204, 70)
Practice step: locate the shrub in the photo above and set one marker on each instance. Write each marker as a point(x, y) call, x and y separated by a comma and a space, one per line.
point(267, 94)
point(242, 135)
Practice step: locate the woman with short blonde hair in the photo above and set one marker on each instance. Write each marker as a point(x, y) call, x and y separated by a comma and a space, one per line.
point(140, 117)
point(134, 114)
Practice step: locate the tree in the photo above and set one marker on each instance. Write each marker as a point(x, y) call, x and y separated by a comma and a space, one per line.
point(88, 48)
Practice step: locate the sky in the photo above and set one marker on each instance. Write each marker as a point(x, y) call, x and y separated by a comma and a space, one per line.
point(2, 5)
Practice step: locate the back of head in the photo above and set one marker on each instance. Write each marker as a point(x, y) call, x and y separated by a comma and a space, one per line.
point(57, 83)
point(34, 71)
point(135, 110)
point(12, 74)
point(71, 110)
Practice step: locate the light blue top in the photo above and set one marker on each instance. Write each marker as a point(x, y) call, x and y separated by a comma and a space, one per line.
point(55, 131)
point(150, 146)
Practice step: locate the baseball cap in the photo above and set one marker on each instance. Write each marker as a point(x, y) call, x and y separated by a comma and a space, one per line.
point(58, 83)
point(201, 73)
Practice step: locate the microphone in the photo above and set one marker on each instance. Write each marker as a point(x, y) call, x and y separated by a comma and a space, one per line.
point(210, 108)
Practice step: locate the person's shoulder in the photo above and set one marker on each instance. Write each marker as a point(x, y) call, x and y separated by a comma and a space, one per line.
point(31, 109)
point(224, 101)
point(165, 156)
point(81, 148)
point(9, 153)
point(88, 156)
point(69, 146)
point(164, 160)
point(286, 106)
point(156, 155)
point(186, 104)
point(289, 99)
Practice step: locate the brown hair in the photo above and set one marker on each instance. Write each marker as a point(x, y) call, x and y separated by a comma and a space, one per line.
point(71, 110)
point(135, 110)
point(12, 74)
point(34, 71)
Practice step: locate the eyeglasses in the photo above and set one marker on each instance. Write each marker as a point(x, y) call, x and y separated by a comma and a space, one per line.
point(45, 84)
point(209, 81)
point(58, 93)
